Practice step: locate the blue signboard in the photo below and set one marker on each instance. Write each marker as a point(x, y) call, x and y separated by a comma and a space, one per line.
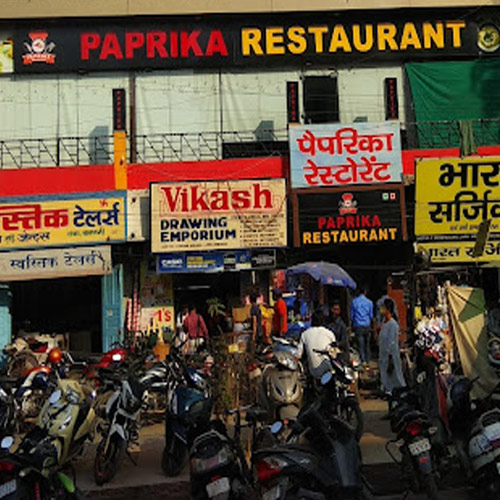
point(195, 262)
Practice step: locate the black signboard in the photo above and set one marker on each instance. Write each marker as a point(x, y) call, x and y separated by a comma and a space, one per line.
point(119, 110)
point(264, 40)
point(391, 99)
point(350, 216)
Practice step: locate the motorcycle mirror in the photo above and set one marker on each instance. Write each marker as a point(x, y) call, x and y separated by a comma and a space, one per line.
point(116, 357)
point(55, 397)
point(276, 427)
point(326, 378)
point(7, 443)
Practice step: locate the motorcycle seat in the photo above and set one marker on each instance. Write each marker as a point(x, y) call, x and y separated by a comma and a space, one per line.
point(407, 418)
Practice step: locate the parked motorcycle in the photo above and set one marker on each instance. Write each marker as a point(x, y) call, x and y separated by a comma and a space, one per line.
point(120, 427)
point(321, 460)
point(475, 429)
point(218, 465)
point(414, 438)
point(187, 397)
point(281, 382)
point(339, 399)
point(23, 477)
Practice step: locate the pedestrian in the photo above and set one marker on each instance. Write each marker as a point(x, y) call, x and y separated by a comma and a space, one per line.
point(316, 338)
point(256, 321)
point(280, 323)
point(196, 329)
point(300, 306)
point(339, 328)
point(391, 373)
point(362, 320)
point(379, 319)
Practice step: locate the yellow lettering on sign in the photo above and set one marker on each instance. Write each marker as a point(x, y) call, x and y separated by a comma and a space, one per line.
point(316, 238)
point(393, 231)
point(410, 37)
point(455, 27)
point(383, 234)
point(339, 40)
point(250, 42)
point(343, 237)
point(274, 41)
point(385, 35)
point(306, 238)
point(298, 43)
point(326, 238)
point(433, 35)
point(367, 45)
point(318, 32)
point(363, 235)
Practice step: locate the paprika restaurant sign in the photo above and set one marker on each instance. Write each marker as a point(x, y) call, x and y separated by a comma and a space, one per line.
point(341, 155)
point(218, 215)
point(68, 221)
point(354, 216)
point(453, 197)
point(218, 41)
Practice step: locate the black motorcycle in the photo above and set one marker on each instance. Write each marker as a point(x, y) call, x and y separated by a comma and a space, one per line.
point(414, 438)
point(320, 461)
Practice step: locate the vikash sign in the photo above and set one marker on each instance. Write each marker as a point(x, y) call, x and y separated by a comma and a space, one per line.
point(453, 197)
point(218, 215)
point(345, 154)
point(184, 42)
point(336, 217)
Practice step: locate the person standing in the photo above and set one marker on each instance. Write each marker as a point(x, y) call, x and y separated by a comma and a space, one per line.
point(256, 320)
point(280, 320)
point(300, 307)
point(391, 373)
point(339, 328)
point(362, 320)
point(195, 328)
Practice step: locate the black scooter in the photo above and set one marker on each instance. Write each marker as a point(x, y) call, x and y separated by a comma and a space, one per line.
point(321, 460)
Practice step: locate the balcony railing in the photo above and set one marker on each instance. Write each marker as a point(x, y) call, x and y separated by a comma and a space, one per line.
point(174, 147)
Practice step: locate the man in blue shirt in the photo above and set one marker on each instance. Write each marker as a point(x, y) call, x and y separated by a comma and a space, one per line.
point(362, 319)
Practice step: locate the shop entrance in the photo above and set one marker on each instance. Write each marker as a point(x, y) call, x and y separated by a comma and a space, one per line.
point(64, 306)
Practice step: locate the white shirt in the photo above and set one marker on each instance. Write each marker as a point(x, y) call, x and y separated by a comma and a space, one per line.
point(316, 338)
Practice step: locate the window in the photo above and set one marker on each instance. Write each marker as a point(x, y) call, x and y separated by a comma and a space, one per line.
point(321, 99)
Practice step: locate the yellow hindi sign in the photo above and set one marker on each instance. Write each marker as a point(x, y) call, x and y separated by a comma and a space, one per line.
point(44, 222)
point(445, 252)
point(453, 197)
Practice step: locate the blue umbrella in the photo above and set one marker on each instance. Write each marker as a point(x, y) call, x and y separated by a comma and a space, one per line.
point(326, 272)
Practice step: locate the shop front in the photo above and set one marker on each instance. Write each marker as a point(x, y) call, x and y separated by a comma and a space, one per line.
point(57, 260)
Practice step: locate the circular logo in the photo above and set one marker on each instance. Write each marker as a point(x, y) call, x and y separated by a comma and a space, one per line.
point(38, 45)
point(488, 38)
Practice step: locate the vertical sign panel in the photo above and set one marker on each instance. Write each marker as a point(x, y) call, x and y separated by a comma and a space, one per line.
point(391, 98)
point(119, 114)
point(292, 102)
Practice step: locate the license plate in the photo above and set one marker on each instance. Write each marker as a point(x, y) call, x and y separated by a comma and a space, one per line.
point(8, 488)
point(218, 487)
point(419, 447)
point(272, 493)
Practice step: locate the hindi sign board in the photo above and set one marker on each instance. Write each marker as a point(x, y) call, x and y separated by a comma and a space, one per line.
point(338, 217)
point(333, 155)
point(218, 215)
point(453, 197)
point(55, 263)
point(446, 252)
point(66, 221)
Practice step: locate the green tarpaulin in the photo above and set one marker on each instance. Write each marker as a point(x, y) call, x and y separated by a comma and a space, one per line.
point(456, 91)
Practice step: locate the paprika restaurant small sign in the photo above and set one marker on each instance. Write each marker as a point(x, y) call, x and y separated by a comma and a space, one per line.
point(45, 222)
point(338, 217)
point(336, 155)
point(218, 215)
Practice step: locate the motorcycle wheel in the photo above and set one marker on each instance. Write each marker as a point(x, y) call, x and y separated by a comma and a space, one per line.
point(350, 412)
point(107, 463)
point(429, 486)
point(174, 460)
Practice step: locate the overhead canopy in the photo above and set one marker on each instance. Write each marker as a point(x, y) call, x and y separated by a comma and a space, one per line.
point(325, 272)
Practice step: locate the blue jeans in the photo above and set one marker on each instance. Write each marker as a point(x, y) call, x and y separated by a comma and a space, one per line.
point(362, 334)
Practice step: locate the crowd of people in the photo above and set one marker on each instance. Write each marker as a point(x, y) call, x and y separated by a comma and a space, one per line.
point(366, 325)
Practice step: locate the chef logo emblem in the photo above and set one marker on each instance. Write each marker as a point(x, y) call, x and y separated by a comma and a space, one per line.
point(348, 205)
point(39, 49)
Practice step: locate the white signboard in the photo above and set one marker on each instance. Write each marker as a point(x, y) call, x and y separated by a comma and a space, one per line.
point(55, 263)
point(338, 155)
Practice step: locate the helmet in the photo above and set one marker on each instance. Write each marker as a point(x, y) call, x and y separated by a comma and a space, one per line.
point(55, 356)
point(494, 352)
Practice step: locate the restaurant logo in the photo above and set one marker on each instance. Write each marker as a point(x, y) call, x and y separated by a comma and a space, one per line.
point(348, 205)
point(39, 49)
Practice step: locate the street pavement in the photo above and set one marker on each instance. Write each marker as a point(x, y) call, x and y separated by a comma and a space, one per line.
point(146, 479)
